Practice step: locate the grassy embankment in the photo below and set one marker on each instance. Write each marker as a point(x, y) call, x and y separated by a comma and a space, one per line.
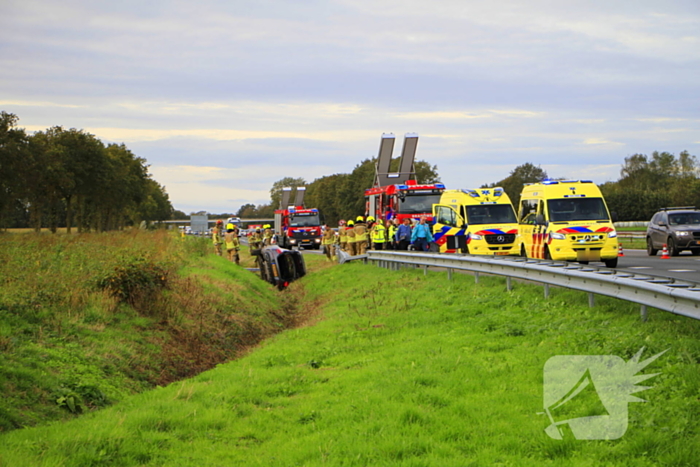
point(87, 320)
point(399, 369)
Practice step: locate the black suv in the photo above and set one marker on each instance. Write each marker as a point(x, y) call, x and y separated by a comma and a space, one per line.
point(677, 228)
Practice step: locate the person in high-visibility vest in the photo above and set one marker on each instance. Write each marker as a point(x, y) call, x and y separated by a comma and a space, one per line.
point(342, 236)
point(267, 235)
point(217, 237)
point(350, 232)
point(379, 235)
point(360, 236)
point(232, 245)
point(255, 240)
point(370, 223)
point(328, 241)
point(391, 240)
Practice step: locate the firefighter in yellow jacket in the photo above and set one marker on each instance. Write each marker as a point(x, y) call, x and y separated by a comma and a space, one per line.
point(350, 233)
point(255, 240)
point(342, 236)
point(267, 235)
point(328, 242)
point(361, 238)
point(232, 245)
point(217, 237)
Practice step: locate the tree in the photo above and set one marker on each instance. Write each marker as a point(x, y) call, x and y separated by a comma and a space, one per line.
point(14, 156)
point(245, 210)
point(519, 176)
point(276, 190)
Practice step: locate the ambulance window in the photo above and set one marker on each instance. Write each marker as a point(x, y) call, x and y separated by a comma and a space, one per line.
point(446, 216)
point(527, 206)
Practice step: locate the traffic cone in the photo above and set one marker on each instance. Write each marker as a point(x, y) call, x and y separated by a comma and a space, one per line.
point(664, 253)
point(619, 251)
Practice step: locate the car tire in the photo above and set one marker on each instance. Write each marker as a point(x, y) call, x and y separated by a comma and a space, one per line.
point(651, 251)
point(672, 249)
point(547, 255)
point(523, 253)
point(583, 262)
point(610, 263)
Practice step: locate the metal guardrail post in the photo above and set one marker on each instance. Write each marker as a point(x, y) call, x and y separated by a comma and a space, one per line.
point(591, 300)
point(643, 312)
point(449, 274)
point(476, 277)
point(546, 291)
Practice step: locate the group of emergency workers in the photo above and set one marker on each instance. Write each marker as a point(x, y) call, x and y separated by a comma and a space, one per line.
point(230, 240)
point(354, 237)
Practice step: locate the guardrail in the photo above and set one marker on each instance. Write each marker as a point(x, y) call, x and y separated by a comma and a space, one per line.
point(675, 296)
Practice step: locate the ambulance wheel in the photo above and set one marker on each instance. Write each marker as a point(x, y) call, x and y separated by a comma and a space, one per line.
point(583, 262)
point(547, 255)
point(523, 253)
point(651, 251)
point(672, 250)
point(611, 263)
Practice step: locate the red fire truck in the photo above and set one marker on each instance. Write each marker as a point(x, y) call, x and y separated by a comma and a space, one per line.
point(405, 200)
point(398, 195)
point(295, 225)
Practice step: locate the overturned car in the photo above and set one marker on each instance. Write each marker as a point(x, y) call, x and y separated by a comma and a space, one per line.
point(279, 266)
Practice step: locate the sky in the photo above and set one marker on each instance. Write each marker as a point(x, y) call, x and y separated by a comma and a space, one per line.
point(223, 98)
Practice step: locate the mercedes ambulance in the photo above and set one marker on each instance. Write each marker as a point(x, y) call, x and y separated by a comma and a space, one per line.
point(479, 222)
point(566, 220)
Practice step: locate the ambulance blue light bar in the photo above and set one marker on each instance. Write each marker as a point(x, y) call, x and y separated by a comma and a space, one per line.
point(440, 185)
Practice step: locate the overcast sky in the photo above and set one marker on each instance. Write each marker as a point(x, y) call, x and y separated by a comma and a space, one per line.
point(223, 98)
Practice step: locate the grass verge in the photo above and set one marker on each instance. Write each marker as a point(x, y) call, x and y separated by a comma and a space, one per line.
point(87, 320)
point(399, 369)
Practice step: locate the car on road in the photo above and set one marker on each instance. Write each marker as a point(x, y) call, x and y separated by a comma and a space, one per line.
point(279, 266)
point(678, 228)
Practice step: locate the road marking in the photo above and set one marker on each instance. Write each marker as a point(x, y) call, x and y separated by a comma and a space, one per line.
point(640, 267)
point(681, 270)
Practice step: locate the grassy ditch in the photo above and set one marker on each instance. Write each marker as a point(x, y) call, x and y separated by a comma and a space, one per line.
point(87, 320)
point(399, 369)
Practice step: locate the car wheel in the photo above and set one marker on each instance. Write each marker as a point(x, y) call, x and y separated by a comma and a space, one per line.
point(672, 249)
point(611, 263)
point(583, 262)
point(651, 251)
point(547, 255)
point(523, 253)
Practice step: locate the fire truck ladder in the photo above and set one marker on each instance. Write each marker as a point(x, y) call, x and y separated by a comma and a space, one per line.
point(286, 194)
point(299, 198)
point(408, 154)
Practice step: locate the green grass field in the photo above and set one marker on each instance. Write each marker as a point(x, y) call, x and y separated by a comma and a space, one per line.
point(400, 369)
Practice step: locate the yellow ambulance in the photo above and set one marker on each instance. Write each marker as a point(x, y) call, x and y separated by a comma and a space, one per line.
point(566, 220)
point(479, 222)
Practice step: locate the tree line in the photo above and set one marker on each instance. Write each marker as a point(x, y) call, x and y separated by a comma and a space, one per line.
point(69, 178)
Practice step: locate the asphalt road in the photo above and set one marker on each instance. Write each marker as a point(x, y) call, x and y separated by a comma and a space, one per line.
point(684, 266)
